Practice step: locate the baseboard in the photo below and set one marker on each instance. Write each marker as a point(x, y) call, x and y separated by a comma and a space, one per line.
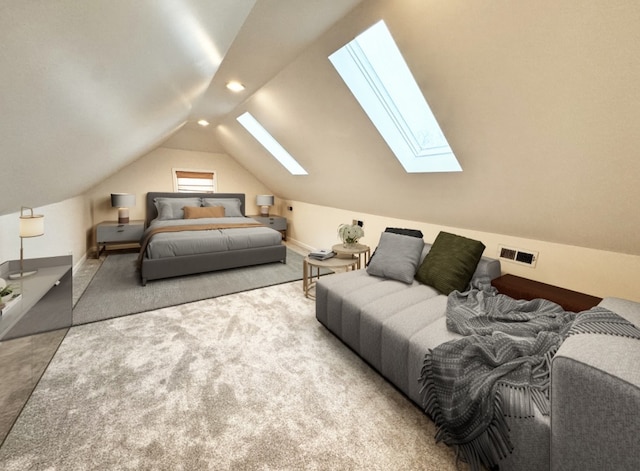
point(77, 266)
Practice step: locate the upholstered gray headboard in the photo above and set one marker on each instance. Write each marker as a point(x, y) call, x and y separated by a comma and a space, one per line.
point(152, 212)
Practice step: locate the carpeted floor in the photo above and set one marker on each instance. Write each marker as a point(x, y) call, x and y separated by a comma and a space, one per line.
point(116, 291)
point(246, 381)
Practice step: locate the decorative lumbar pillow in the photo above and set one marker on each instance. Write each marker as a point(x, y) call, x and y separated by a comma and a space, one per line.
point(232, 206)
point(196, 212)
point(450, 263)
point(171, 208)
point(397, 257)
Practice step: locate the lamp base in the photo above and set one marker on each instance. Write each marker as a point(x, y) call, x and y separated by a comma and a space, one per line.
point(264, 211)
point(24, 274)
point(123, 215)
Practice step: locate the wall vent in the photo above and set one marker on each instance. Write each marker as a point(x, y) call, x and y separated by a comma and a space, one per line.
point(520, 256)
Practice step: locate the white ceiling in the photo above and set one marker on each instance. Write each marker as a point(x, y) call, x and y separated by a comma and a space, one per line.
point(88, 87)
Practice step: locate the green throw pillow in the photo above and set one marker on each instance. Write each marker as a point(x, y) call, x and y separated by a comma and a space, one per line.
point(450, 263)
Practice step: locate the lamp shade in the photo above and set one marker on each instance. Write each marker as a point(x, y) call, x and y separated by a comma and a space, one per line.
point(123, 200)
point(264, 200)
point(31, 225)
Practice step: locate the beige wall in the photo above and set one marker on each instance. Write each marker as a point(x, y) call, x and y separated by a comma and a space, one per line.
point(152, 172)
point(539, 101)
point(65, 232)
point(596, 272)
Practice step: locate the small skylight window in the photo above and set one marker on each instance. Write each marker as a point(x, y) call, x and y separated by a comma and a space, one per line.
point(269, 143)
point(374, 70)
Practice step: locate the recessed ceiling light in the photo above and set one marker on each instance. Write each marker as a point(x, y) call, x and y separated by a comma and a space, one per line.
point(235, 86)
point(203, 123)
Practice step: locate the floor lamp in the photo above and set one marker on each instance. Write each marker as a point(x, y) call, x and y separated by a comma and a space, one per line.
point(31, 225)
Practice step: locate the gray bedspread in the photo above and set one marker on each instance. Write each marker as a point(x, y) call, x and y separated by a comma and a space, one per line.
point(171, 244)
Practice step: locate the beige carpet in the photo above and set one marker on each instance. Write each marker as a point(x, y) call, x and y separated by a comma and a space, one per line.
point(247, 381)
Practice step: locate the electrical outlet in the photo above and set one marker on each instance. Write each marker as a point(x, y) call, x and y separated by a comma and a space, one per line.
point(519, 256)
point(357, 222)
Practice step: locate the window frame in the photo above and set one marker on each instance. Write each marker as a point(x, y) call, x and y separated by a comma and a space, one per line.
point(195, 174)
point(405, 122)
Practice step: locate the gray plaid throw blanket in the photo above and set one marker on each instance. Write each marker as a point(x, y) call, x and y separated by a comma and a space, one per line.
point(500, 368)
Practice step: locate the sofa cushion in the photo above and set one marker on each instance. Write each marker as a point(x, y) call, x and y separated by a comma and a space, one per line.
point(450, 263)
point(396, 257)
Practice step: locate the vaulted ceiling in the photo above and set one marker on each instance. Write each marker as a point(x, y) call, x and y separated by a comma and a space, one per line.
point(539, 101)
point(88, 87)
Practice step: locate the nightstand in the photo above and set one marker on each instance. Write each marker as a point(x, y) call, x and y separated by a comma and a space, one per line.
point(278, 223)
point(112, 232)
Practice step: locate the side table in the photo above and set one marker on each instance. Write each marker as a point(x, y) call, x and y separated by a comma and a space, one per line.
point(279, 223)
point(112, 232)
point(308, 279)
point(353, 250)
point(523, 288)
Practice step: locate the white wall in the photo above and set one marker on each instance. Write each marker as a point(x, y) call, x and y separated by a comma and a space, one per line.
point(596, 272)
point(65, 232)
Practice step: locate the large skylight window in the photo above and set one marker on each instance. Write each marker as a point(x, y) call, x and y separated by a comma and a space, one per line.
point(269, 142)
point(376, 73)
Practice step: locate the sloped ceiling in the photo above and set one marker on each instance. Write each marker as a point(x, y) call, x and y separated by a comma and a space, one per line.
point(539, 101)
point(89, 86)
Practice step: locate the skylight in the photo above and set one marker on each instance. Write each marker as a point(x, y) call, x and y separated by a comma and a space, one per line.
point(374, 70)
point(269, 143)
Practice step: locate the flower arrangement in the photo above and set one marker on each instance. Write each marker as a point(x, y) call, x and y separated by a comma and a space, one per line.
point(350, 233)
point(6, 291)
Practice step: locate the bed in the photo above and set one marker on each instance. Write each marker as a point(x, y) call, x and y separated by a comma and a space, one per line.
point(203, 237)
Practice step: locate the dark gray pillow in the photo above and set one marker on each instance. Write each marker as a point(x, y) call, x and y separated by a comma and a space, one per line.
point(397, 257)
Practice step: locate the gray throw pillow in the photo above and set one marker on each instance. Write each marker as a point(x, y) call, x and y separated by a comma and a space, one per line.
point(399, 230)
point(232, 206)
point(397, 257)
point(450, 263)
point(171, 208)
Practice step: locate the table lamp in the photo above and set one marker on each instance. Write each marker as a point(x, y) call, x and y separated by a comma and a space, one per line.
point(264, 201)
point(123, 201)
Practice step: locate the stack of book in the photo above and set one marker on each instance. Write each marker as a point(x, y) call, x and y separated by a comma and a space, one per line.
point(322, 254)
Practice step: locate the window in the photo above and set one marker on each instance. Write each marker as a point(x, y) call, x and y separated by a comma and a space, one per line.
point(376, 73)
point(269, 142)
point(194, 181)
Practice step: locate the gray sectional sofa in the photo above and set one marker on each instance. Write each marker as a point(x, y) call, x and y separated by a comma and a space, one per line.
point(595, 386)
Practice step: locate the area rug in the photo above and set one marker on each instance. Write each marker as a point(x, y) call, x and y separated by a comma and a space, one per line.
point(116, 291)
point(249, 381)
